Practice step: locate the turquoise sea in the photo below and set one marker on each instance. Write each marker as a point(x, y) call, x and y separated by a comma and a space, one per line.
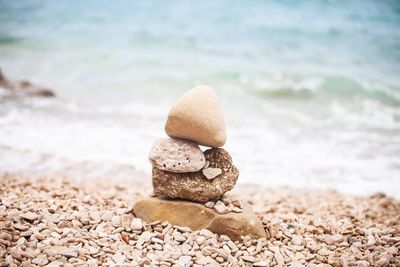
point(310, 89)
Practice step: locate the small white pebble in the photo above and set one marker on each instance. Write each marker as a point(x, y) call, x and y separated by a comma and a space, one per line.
point(221, 208)
point(87, 199)
point(116, 221)
point(136, 224)
point(210, 204)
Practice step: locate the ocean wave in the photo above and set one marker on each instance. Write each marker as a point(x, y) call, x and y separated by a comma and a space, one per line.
point(334, 87)
point(10, 40)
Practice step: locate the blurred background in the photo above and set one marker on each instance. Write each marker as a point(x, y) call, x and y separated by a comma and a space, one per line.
point(310, 89)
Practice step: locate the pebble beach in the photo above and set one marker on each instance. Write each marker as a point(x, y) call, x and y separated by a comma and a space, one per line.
point(72, 222)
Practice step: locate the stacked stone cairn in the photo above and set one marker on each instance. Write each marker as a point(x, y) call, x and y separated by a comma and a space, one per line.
point(189, 185)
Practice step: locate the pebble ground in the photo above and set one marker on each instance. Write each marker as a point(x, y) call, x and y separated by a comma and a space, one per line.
point(62, 222)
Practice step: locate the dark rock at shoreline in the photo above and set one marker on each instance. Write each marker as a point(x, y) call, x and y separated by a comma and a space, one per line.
point(194, 185)
point(25, 87)
point(4, 82)
point(38, 91)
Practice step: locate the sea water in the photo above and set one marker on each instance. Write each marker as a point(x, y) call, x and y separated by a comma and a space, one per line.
point(310, 90)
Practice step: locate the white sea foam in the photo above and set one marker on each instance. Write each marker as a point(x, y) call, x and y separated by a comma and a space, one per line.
point(281, 147)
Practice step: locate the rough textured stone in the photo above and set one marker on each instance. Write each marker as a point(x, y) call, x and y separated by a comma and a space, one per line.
point(195, 186)
point(176, 155)
point(196, 216)
point(197, 116)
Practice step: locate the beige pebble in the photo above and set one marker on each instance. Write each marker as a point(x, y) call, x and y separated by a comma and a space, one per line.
point(200, 240)
point(93, 250)
point(237, 210)
point(206, 252)
point(179, 237)
point(107, 216)
point(371, 241)
point(363, 264)
point(184, 261)
point(16, 254)
point(57, 264)
point(40, 260)
point(337, 238)
point(29, 216)
point(296, 240)
point(218, 259)
point(384, 260)
point(210, 204)
point(68, 252)
point(206, 233)
point(261, 264)
point(328, 239)
point(87, 198)
point(6, 202)
point(232, 246)
point(206, 260)
point(21, 227)
point(324, 252)
point(116, 221)
point(51, 252)
point(136, 224)
point(278, 256)
point(298, 255)
point(119, 258)
point(248, 258)
point(221, 208)
point(144, 237)
point(39, 236)
point(183, 229)
point(237, 203)
point(126, 220)
point(26, 233)
point(211, 173)
point(247, 241)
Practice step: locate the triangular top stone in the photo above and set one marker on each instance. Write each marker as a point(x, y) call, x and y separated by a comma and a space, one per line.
point(197, 116)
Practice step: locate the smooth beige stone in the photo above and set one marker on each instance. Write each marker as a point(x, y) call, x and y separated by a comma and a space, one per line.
point(197, 216)
point(176, 155)
point(197, 116)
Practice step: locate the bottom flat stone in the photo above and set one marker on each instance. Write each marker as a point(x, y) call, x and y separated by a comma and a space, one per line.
point(197, 216)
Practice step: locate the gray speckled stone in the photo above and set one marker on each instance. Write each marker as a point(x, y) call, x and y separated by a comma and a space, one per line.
point(176, 155)
point(195, 186)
